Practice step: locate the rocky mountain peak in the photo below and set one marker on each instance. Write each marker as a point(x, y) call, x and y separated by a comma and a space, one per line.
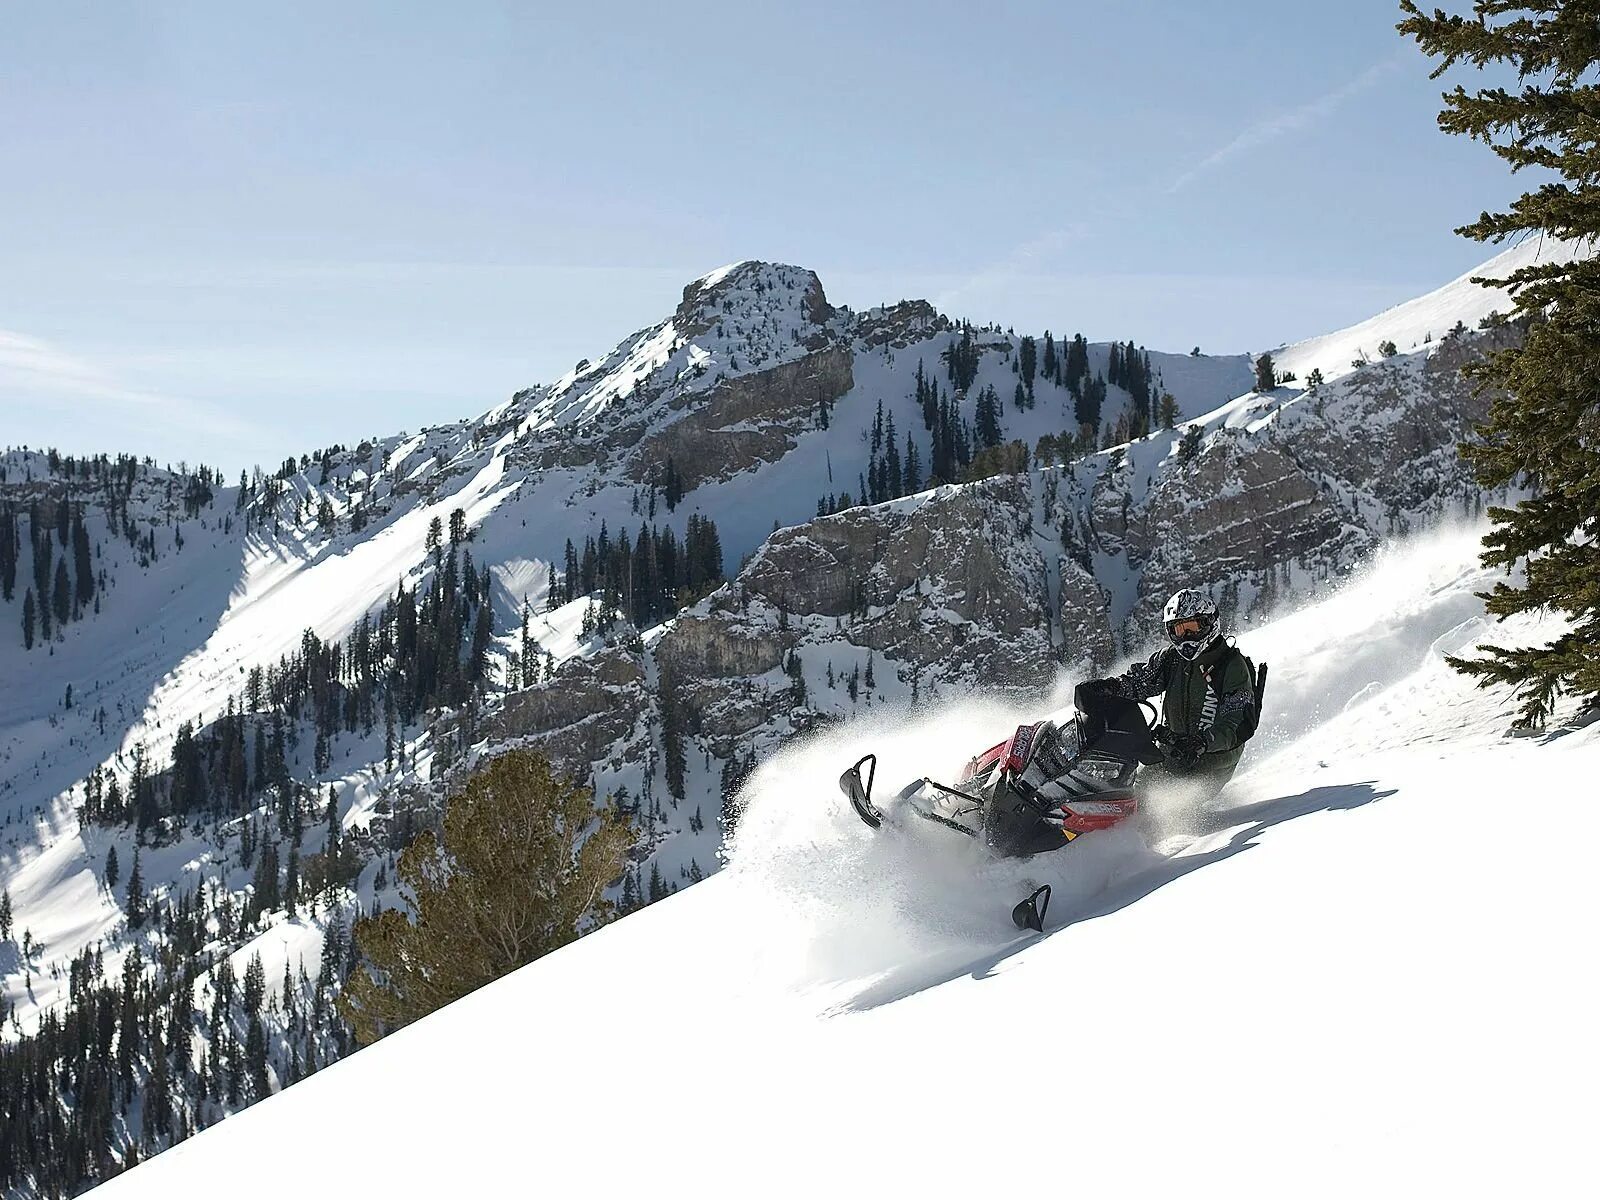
point(754, 293)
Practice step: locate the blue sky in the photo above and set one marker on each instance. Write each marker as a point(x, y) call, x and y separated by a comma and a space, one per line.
point(234, 232)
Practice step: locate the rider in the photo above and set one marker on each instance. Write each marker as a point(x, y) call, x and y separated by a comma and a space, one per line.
point(1206, 688)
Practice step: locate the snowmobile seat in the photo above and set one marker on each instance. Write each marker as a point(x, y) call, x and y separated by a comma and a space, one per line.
point(1125, 746)
point(1112, 726)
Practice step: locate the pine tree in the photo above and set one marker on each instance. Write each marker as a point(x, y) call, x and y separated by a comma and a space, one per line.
point(1544, 415)
point(927, 395)
point(255, 1056)
point(8, 552)
point(482, 639)
point(1077, 364)
point(27, 620)
point(675, 760)
point(657, 887)
point(333, 850)
point(82, 562)
point(1266, 375)
point(893, 479)
point(255, 984)
point(1086, 407)
point(673, 489)
point(113, 871)
point(518, 870)
point(988, 418)
point(291, 878)
point(134, 905)
point(5, 914)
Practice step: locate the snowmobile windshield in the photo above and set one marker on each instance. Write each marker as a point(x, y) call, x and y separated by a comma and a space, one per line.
point(1053, 751)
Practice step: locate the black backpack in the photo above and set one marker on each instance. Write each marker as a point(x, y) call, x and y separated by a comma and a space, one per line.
point(1251, 721)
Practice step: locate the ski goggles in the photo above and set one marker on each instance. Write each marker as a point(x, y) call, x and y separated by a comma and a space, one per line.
point(1189, 627)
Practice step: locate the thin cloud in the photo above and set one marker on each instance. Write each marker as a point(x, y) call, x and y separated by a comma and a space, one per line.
point(1284, 123)
point(1023, 260)
point(33, 371)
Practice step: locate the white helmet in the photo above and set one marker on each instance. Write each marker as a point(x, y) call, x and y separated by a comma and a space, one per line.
point(1191, 622)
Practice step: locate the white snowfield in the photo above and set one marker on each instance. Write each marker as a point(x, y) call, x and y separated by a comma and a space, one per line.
point(1366, 969)
point(1416, 323)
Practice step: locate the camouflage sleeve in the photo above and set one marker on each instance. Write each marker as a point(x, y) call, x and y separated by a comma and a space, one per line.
point(1235, 696)
point(1143, 679)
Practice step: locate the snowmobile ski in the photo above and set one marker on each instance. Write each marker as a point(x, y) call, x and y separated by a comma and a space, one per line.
point(859, 794)
point(1029, 913)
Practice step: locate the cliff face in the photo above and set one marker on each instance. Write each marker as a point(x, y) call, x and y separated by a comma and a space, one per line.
point(1277, 489)
point(744, 422)
point(945, 589)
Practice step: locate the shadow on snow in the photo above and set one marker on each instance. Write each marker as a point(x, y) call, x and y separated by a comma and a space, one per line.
point(1248, 822)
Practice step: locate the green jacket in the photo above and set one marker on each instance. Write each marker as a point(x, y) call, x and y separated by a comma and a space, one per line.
point(1209, 696)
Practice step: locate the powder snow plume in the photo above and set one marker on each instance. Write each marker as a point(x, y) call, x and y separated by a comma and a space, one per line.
point(905, 906)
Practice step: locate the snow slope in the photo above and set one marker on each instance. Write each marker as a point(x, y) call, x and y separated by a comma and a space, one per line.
point(1360, 970)
point(1414, 324)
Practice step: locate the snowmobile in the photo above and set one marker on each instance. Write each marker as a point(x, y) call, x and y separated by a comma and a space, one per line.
point(1039, 790)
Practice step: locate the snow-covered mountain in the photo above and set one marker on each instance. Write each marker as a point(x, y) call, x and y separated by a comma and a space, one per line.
point(1417, 323)
point(1358, 972)
point(258, 622)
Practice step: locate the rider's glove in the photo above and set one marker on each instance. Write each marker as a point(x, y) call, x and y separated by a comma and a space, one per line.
point(1163, 735)
point(1186, 750)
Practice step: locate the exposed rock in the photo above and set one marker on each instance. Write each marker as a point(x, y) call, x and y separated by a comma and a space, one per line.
point(744, 421)
point(1240, 508)
point(1389, 433)
point(899, 325)
point(707, 299)
point(1084, 615)
point(589, 710)
point(945, 588)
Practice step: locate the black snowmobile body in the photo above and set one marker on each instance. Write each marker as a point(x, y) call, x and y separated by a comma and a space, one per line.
point(1040, 789)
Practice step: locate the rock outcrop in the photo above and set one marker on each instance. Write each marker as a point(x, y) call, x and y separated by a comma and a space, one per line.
point(745, 421)
point(946, 589)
